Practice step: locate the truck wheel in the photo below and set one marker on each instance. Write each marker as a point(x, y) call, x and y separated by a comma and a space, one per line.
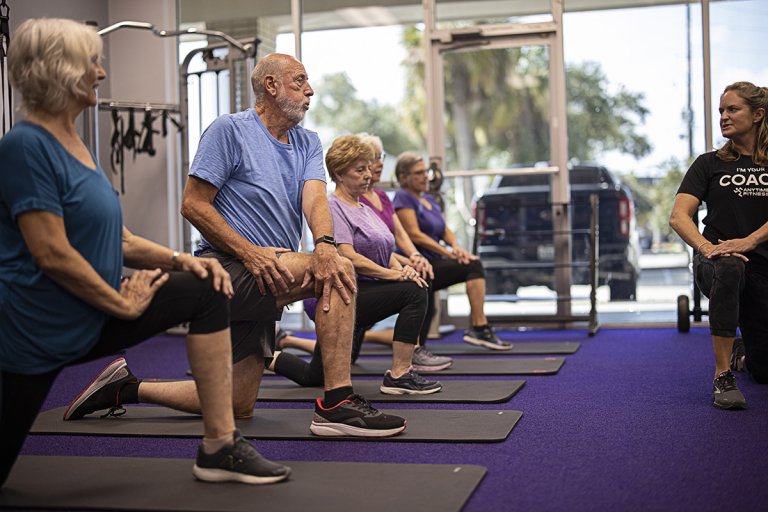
point(683, 314)
point(623, 290)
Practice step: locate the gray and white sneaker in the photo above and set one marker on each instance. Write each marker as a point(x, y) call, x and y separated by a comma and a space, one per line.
point(238, 463)
point(410, 383)
point(485, 337)
point(726, 394)
point(425, 361)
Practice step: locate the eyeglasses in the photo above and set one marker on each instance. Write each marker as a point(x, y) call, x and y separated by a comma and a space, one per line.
point(381, 156)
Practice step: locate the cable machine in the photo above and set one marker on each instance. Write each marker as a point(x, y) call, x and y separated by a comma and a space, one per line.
point(139, 137)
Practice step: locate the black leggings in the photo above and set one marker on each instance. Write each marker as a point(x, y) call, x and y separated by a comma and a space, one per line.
point(738, 297)
point(184, 298)
point(376, 300)
point(448, 272)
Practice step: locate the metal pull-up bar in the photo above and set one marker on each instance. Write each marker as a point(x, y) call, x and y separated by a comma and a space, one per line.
point(174, 33)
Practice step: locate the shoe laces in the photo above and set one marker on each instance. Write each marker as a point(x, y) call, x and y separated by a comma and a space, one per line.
point(418, 379)
point(425, 352)
point(726, 381)
point(117, 410)
point(361, 404)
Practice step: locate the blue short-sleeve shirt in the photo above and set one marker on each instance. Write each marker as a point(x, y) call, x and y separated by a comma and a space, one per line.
point(42, 325)
point(259, 179)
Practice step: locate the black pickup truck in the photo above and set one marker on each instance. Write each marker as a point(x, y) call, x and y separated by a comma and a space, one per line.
point(513, 232)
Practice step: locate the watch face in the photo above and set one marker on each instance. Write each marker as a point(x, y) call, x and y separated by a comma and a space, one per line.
point(325, 240)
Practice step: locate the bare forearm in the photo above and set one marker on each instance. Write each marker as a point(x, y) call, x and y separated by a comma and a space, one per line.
point(760, 235)
point(402, 260)
point(422, 240)
point(403, 242)
point(138, 252)
point(67, 268)
point(215, 229)
point(450, 238)
point(365, 267)
point(319, 219)
point(684, 226)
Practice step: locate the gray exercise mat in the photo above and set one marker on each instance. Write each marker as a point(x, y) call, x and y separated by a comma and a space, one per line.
point(456, 391)
point(154, 484)
point(473, 366)
point(522, 348)
point(422, 425)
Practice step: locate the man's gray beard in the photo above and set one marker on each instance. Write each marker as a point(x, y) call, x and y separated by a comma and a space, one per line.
point(293, 111)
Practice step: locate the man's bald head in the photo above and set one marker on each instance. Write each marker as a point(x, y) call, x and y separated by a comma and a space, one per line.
point(273, 65)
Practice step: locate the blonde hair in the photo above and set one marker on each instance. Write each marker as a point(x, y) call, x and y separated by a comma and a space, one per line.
point(756, 98)
point(344, 151)
point(47, 60)
point(373, 140)
point(405, 162)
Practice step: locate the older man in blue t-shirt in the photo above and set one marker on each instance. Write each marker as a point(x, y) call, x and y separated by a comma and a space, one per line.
point(254, 175)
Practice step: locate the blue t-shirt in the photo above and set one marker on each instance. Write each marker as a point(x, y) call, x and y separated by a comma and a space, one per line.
point(259, 179)
point(363, 230)
point(431, 222)
point(42, 325)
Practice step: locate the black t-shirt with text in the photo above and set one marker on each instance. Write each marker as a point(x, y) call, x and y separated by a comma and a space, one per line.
point(736, 195)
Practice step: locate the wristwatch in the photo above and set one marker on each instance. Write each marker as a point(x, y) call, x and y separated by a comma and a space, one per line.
point(326, 239)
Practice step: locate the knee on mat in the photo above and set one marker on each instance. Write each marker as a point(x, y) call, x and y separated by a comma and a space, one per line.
point(242, 406)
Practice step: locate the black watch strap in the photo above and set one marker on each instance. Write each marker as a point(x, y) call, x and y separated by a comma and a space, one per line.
point(326, 239)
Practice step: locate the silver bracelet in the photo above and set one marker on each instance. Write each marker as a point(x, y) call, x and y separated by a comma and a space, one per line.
point(174, 260)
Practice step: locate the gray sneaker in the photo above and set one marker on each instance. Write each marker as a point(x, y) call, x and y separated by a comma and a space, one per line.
point(425, 361)
point(485, 337)
point(410, 383)
point(726, 394)
point(238, 463)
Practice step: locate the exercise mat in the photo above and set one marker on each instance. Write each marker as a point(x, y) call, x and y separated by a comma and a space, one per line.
point(455, 391)
point(473, 366)
point(422, 425)
point(521, 348)
point(154, 484)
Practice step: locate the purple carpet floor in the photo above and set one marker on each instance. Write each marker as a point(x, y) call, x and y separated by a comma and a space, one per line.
point(626, 425)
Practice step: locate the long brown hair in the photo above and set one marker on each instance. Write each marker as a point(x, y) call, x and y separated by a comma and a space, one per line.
point(755, 97)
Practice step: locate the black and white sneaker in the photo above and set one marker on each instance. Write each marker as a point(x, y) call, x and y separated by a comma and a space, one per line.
point(354, 417)
point(410, 383)
point(485, 337)
point(726, 394)
point(103, 392)
point(238, 463)
point(738, 358)
point(425, 361)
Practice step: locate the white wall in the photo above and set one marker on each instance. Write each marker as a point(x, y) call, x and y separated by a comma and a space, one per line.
point(143, 67)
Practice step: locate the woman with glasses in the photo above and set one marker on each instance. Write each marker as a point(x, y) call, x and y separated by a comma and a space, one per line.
point(423, 221)
point(381, 205)
point(385, 286)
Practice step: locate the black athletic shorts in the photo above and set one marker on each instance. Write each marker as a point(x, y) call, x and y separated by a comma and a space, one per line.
point(252, 315)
